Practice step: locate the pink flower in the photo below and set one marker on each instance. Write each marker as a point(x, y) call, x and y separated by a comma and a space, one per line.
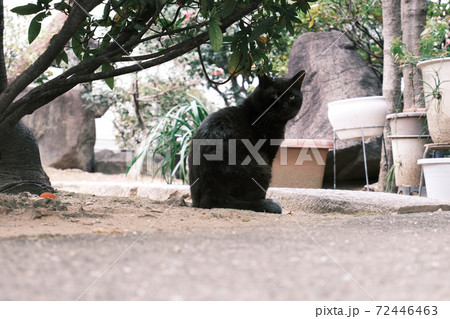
point(218, 72)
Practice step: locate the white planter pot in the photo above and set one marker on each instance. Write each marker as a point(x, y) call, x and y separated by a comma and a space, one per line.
point(348, 117)
point(406, 151)
point(408, 123)
point(437, 177)
point(438, 110)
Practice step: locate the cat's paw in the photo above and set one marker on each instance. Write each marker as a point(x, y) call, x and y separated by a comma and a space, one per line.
point(272, 206)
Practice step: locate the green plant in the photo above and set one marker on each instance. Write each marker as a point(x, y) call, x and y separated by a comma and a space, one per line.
point(171, 138)
point(361, 20)
point(435, 92)
point(432, 42)
point(325, 15)
point(390, 180)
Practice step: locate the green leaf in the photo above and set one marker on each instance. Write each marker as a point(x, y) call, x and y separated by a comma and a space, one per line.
point(138, 27)
point(215, 34)
point(108, 81)
point(106, 11)
point(135, 159)
point(236, 62)
point(304, 5)
point(228, 8)
point(62, 6)
point(259, 55)
point(289, 26)
point(62, 57)
point(35, 26)
point(27, 9)
point(204, 8)
point(262, 27)
point(76, 46)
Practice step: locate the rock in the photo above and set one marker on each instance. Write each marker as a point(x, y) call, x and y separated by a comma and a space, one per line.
point(109, 162)
point(350, 160)
point(177, 201)
point(65, 132)
point(334, 71)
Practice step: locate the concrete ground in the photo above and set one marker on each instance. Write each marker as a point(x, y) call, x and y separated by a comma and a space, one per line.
point(371, 247)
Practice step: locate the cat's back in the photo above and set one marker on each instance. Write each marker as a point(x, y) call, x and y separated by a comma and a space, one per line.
point(226, 123)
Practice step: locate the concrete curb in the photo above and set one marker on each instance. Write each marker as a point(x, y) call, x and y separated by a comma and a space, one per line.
point(317, 201)
point(153, 191)
point(324, 201)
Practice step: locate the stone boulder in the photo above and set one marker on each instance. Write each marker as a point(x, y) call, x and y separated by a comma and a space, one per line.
point(109, 162)
point(334, 71)
point(65, 132)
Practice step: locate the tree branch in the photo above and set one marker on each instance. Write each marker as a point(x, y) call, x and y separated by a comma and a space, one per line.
point(3, 75)
point(76, 17)
point(84, 72)
point(122, 42)
point(205, 72)
point(155, 36)
point(366, 31)
point(90, 66)
point(137, 106)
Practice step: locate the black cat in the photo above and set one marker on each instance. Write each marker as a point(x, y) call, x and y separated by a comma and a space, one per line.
point(231, 155)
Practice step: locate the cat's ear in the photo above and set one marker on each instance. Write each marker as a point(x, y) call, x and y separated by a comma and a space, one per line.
point(265, 81)
point(298, 78)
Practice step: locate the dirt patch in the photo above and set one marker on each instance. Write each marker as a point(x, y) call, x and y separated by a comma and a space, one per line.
point(71, 213)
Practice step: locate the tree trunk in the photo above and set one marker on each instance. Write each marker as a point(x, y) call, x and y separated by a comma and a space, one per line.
point(391, 77)
point(20, 164)
point(3, 76)
point(414, 18)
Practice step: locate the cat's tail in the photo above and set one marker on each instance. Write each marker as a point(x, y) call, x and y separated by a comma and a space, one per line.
point(260, 205)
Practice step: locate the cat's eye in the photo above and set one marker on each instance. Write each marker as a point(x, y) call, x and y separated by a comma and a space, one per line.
point(275, 96)
point(292, 98)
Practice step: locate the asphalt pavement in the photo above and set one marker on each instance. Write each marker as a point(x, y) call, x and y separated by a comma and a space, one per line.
point(361, 257)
